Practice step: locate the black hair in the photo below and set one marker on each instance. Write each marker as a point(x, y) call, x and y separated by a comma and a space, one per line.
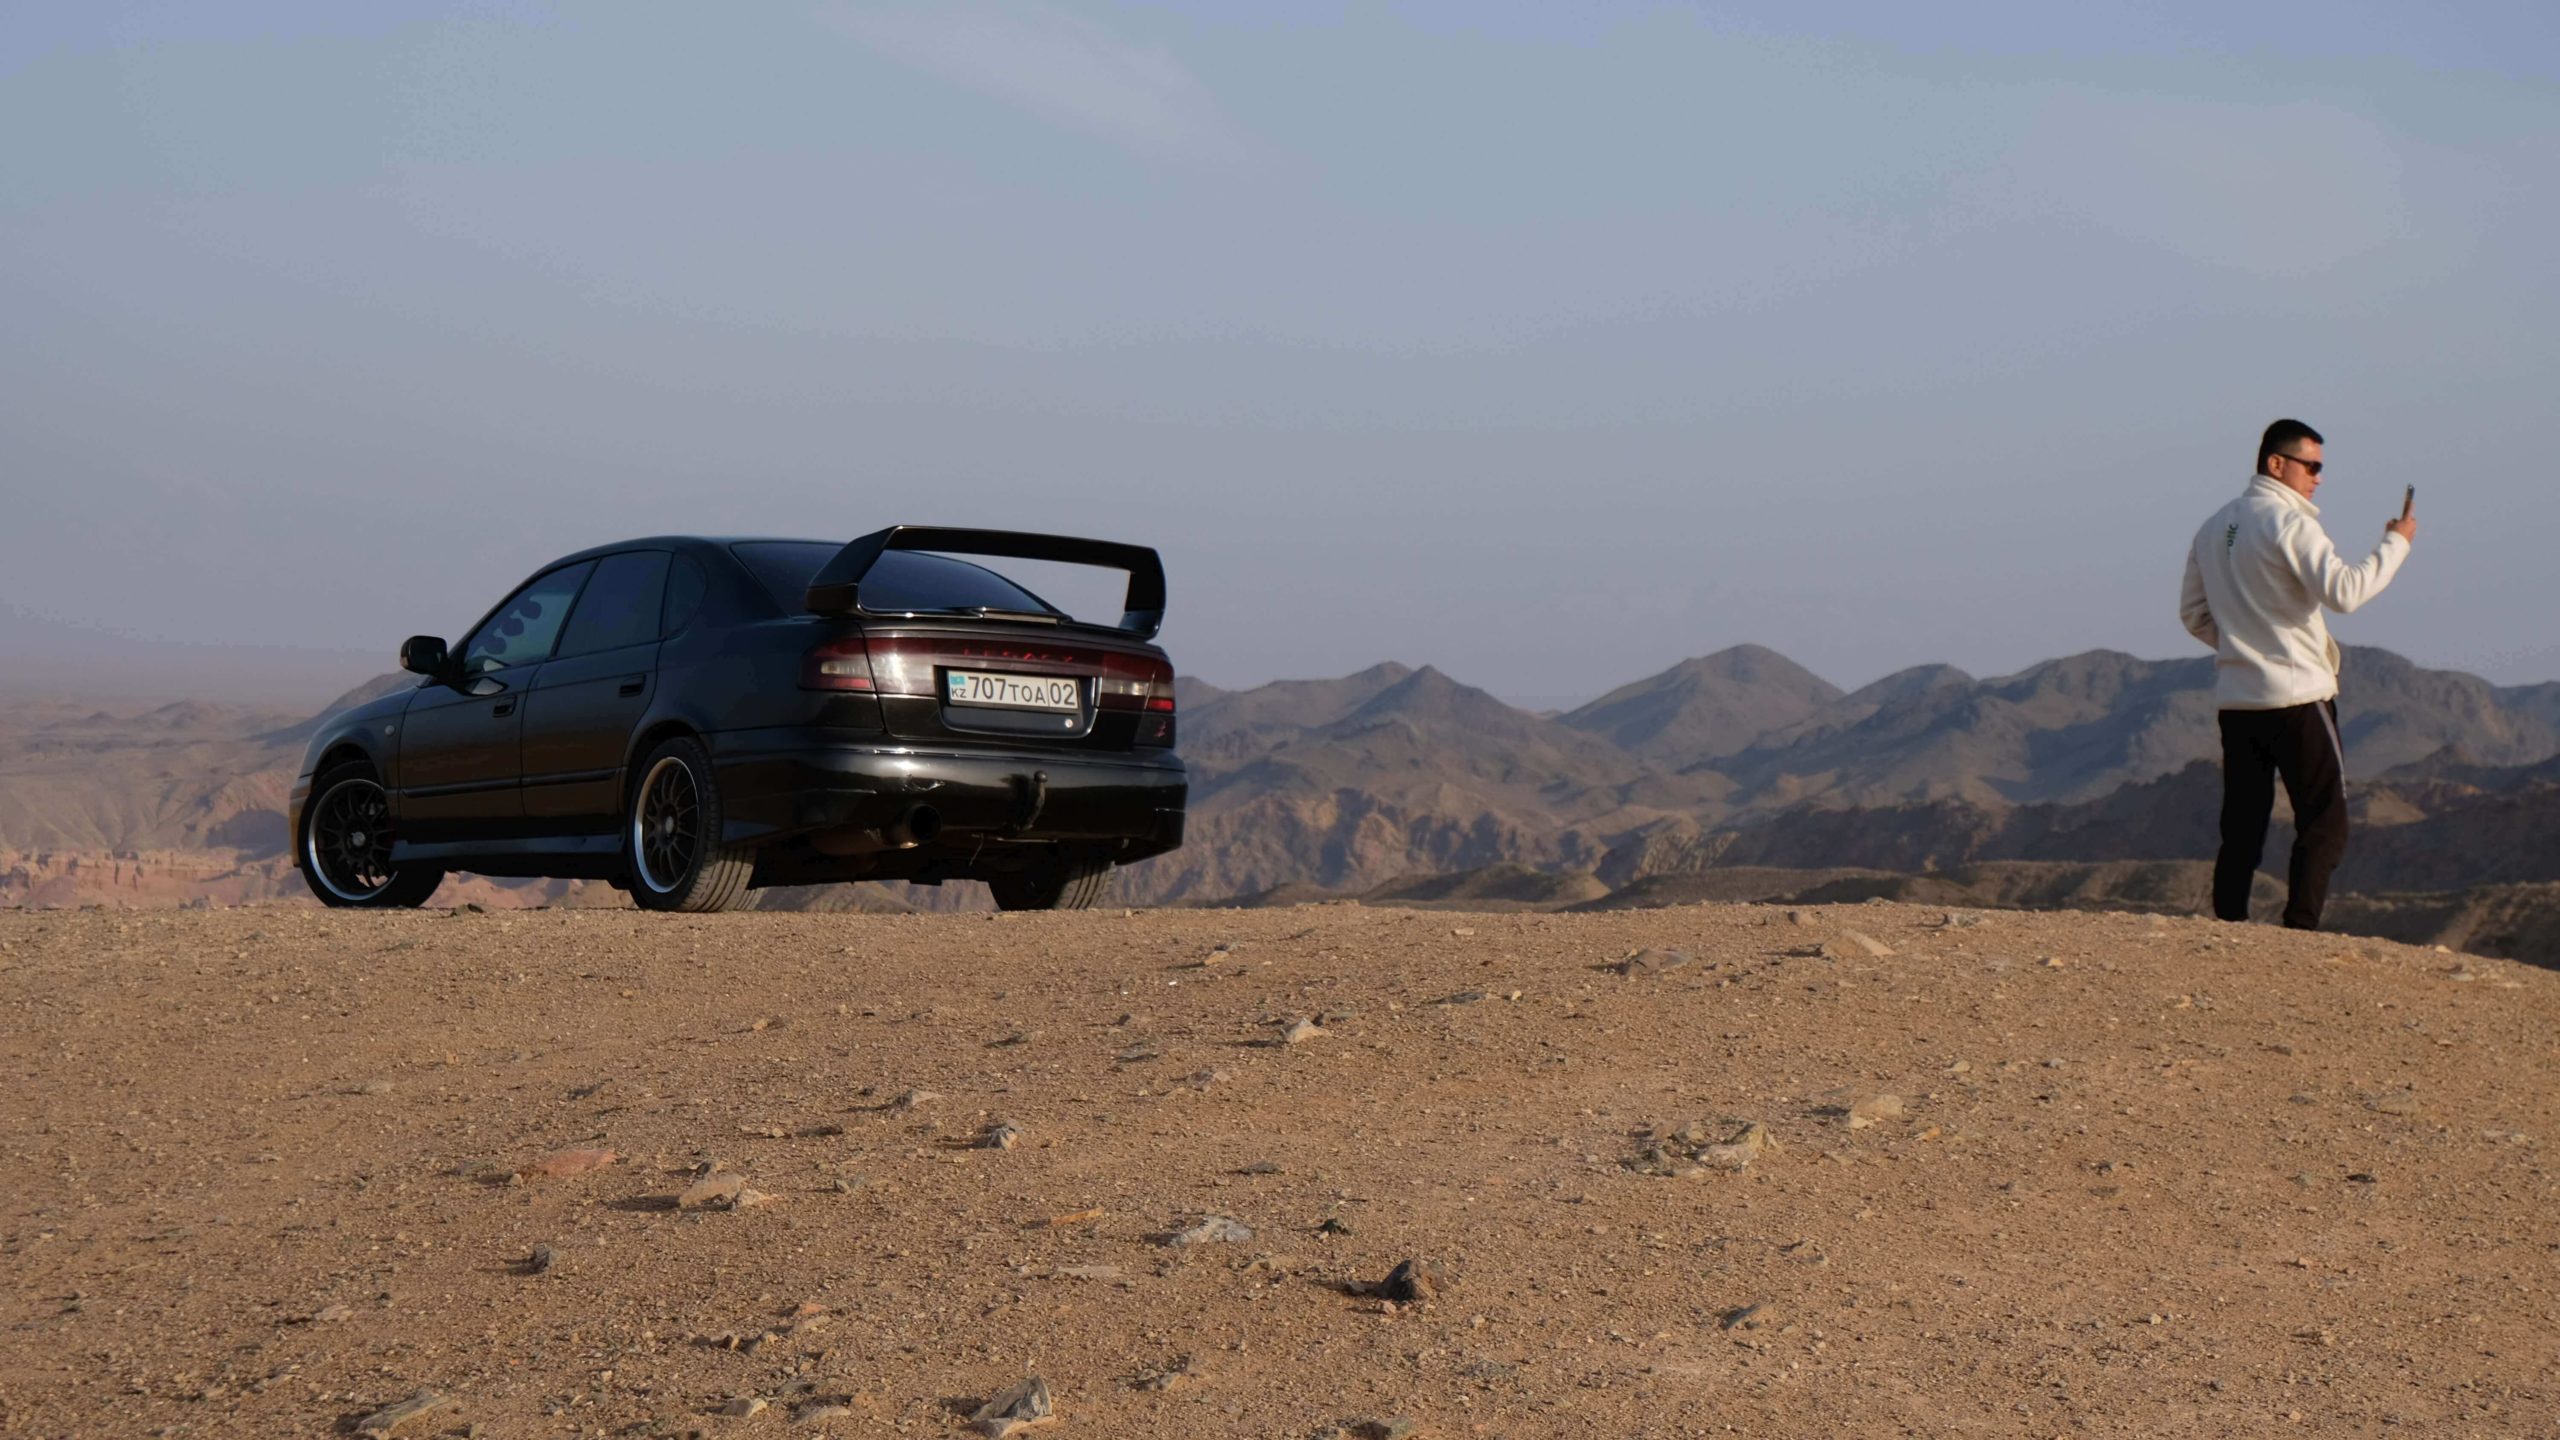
point(2281, 434)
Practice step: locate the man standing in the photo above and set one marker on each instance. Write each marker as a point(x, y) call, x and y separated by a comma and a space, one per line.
point(2257, 575)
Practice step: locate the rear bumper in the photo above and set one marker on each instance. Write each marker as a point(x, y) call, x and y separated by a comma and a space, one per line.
point(778, 785)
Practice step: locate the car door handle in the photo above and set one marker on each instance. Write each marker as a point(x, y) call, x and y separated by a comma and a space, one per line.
point(634, 685)
point(502, 710)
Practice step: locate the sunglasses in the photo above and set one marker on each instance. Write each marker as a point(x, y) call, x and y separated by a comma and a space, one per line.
point(2310, 467)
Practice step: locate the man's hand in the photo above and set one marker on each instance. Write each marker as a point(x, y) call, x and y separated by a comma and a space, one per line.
point(2406, 527)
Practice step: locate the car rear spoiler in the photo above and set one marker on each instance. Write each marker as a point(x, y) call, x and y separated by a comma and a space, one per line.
point(837, 587)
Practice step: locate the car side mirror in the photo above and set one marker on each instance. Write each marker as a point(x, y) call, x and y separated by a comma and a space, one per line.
point(425, 655)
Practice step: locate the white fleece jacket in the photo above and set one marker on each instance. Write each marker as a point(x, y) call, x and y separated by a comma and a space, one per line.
point(2257, 575)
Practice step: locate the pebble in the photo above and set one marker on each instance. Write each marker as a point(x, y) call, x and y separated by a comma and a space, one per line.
point(723, 1190)
point(820, 1412)
point(540, 1261)
point(1874, 1108)
point(1749, 1317)
point(2403, 1101)
point(1300, 1031)
point(1466, 997)
point(561, 1164)
point(391, 1418)
point(1003, 1135)
point(373, 1087)
point(744, 1407)
point(1212, 1230)
point(1735, 1157)
point(1019, 1408)
point(1652, 962)
point(912, 1099)
point(1413, 1282)
point(1876, 949)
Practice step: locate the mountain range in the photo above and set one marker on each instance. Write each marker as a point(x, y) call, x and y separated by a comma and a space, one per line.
point(1394, 774)
point(1346, 784)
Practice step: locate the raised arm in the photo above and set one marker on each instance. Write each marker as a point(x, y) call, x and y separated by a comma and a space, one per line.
point(2340, 585)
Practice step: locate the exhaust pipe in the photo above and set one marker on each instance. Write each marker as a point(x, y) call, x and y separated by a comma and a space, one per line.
point(916, 827)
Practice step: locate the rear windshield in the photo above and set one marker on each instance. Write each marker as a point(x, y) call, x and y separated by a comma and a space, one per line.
point(899, 580)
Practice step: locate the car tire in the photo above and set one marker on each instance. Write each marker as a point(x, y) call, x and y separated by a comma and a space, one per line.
point(344, 850)
point(1065, 882)
point(671, 834)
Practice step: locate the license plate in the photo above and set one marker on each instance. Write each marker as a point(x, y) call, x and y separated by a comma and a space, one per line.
point(1012, 692)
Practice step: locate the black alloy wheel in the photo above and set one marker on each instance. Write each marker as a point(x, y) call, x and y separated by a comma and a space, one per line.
point(672, 842)
point(346, 845)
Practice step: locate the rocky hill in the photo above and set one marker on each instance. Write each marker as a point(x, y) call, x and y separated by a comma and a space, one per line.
point(1373, 781)
point(1707, 708)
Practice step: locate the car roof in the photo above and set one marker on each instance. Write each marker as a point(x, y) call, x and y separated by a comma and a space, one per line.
point(684, 542)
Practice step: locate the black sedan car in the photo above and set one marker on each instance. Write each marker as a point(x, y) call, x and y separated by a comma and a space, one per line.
point(691, 718)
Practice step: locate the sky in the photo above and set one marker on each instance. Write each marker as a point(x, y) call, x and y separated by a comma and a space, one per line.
point(1546, 344)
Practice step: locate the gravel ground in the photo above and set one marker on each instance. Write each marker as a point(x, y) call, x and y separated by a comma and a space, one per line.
point(273, 1170)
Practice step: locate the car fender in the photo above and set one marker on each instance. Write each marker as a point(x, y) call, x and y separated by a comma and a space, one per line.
point(371, 730)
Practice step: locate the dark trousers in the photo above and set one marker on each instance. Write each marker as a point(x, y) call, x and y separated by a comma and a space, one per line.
point(2299, 742)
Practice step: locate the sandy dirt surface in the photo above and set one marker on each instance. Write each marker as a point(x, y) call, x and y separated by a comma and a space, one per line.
point(272, 1170)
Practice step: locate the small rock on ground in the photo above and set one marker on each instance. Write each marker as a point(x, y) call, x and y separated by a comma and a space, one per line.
point(1874, 1108)
point(1412, 1282)
point(1651, 962)
point(560, 1164)
point(721, 1190)
point(1212, 1230)
point(1748, 1317)
point(1025, 1405)
point(391, 1418)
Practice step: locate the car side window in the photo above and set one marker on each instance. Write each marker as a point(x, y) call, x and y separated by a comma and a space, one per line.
point(523, 629)
point(619, 606)
point(685, 586)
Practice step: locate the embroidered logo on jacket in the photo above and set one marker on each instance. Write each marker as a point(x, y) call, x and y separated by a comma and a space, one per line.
point(2231, 537)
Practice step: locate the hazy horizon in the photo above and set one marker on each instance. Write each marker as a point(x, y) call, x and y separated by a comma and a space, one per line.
point(1548, 348)
point(84, 666)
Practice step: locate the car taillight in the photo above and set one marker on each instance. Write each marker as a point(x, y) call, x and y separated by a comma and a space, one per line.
point(837, 665)
point(1135, 682)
